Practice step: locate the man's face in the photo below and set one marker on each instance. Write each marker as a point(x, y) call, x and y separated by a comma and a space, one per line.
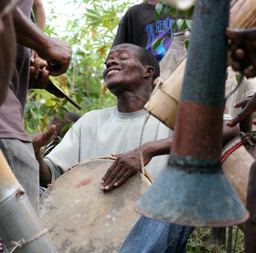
point(123, 68)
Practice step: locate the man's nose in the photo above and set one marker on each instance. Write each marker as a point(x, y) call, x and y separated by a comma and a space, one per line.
point(111, 62)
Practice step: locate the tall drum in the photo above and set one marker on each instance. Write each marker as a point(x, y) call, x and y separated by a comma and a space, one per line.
point(237, 158)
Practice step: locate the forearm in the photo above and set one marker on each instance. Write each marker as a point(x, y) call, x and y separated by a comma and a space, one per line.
point(28, 34)
point(156, 148)
point(45, 173)
point(40, 14)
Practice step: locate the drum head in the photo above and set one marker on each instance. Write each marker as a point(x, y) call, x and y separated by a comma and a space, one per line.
point(82, 218)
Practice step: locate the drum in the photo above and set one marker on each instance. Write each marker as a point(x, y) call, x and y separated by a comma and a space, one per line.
point(237, 158)
point(82, 218)
point(163, 103)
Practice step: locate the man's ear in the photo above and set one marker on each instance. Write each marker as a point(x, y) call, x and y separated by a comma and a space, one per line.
point(149, 71)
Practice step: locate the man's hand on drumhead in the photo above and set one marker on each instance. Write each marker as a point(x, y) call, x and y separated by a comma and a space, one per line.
point(42, 139)
point(249, 108)
point(124, 167)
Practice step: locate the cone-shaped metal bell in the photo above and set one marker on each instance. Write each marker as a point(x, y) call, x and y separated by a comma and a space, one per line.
point(192, 190)
point(201, 197)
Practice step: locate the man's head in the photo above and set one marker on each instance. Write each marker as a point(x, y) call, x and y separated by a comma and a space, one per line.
point(130, 66)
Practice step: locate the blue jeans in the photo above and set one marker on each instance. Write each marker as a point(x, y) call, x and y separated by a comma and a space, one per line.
point(152, 236)
point(41, 191)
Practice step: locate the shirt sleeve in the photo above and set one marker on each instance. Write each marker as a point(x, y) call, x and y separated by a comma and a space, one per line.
point(66, 153)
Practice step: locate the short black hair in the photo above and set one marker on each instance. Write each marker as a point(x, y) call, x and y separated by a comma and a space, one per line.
point(146, 58)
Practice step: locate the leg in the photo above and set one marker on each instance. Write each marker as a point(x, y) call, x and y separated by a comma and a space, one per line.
point(152, 236)
point(218, 236)
point(250, 224)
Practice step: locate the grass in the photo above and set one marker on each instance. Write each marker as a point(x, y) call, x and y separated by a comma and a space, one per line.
point(199, 242)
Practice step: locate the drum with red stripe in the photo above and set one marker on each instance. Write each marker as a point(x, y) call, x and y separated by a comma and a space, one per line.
point(237, 157)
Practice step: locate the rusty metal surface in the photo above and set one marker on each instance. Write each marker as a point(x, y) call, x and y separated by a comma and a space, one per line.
point(199, 133)
point(192, 199)
point(205, 73)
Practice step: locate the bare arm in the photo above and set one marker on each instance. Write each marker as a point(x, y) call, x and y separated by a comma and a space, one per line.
point(50, 49)
point(38, 8)
point(45, 173)
point(127, 164)
point(249, 107)
point(40, 140)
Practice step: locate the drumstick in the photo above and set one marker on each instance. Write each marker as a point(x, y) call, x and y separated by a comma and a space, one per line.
point(52, 85)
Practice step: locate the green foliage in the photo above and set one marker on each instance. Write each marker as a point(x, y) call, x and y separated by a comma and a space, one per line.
point(199, 241)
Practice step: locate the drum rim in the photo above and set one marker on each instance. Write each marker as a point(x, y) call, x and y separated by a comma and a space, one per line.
point(146, 174)
point(230, 147)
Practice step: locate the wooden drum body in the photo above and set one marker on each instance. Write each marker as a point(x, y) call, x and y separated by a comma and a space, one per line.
point(82, 218)
point(237, 158)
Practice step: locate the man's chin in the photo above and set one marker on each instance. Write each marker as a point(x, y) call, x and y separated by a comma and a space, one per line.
point(112, 85)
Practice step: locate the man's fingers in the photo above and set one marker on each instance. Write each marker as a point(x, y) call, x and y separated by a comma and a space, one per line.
point(49, 134)
point(51, 130)
point(239, 54)
point(36, 71)
point(241, 103)
point(107, 174)
point(118, 179)
point(250, 72)
point(232, 123)
point(231, 33)
point(43, 64)
point(242, 115)
point(241, 35)
point(125, 177)
point(236, 66)
point(44, 80)
point(111, 177)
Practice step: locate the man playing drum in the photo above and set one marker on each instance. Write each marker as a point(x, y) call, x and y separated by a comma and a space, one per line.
point(129, 75)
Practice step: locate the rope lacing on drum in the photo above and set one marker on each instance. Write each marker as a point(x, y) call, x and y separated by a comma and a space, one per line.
point(140, 160)
point(22, 242)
